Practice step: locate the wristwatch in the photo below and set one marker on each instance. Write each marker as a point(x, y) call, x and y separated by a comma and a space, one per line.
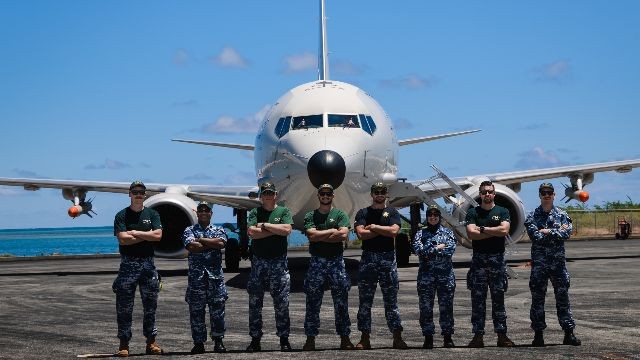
point(262, 226)
point(481, 229)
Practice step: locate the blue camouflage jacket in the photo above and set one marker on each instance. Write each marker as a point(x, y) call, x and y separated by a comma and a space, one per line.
point(559, 224)
point(425, 243)
point(208, 262)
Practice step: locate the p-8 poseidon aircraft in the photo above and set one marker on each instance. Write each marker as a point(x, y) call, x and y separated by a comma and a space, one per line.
point(327, 131)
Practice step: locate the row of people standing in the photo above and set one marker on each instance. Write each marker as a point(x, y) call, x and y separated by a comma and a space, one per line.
point(327, 228)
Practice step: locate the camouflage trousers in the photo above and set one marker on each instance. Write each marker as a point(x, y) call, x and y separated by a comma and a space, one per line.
point(488, 270)
point(203, 291)
point(378, 267)
point(135, 272)
point(320, 271)
point(430, 280)
point(272, 274)
point(541, 273)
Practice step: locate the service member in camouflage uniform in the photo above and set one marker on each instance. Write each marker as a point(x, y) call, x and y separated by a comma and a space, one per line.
point(487, 226)
point(268, 228)
point(327, 229)
point(204, 241)
point(377, 227)
point(548, 227)
point(435, 245)
point(136, 228)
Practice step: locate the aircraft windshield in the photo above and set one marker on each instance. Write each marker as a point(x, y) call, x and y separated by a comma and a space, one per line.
point(307, 122)
point(343, 121)
point(367, 123)
point(282, 127)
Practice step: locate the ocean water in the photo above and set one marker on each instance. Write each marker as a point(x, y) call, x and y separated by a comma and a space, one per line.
point(76, 240)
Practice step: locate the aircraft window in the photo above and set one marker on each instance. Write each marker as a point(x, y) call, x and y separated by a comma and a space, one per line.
point(282, 127)
point(285, 126)
point(372, 124)
point(365, 124)
point(279, 127)
point(307, 122)
point(343, 121)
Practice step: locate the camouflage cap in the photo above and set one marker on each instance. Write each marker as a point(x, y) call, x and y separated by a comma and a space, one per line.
point(137, 183)
point(203, 205)
point(378, 186)
point(546, 185)
point(267, 187)
point(433, 209)
point(325, 186)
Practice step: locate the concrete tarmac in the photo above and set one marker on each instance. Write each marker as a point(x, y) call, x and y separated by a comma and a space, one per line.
point(64, 308)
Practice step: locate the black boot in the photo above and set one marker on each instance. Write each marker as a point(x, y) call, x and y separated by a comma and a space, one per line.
point(477, 341)
point(255, 345)
point(428, 342)
point(571, 339)
point(284, 344)
point(198, 348)
point(219, 345)
point(448, 341)
point(538, 339)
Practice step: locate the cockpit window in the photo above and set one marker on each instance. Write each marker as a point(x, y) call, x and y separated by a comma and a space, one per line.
point(343, 121)
point(307, 122)
point(367, 123)
point(282, 127)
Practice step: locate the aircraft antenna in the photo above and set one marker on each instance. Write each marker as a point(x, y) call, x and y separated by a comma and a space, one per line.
point(323, 53)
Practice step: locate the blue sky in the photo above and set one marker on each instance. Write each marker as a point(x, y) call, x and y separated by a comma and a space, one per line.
point(95, 89)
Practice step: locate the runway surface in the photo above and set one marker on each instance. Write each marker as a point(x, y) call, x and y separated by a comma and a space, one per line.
point(64, 308)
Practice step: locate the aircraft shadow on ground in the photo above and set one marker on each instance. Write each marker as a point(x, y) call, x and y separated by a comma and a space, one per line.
point(298, 267)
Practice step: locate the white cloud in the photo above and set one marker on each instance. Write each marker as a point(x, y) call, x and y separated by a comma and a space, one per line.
point(402, 123)
point(411, 82)
point(232, 125)
point(181, 57)
point(11, 191)
point(300, 63)
point(29, 174)
point(555, 71)
point(347, 68)
point(229, 57)
point(108, 164)
point(538, 158)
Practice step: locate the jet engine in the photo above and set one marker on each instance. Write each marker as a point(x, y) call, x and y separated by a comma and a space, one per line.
point(504, 197)
point(176, 211)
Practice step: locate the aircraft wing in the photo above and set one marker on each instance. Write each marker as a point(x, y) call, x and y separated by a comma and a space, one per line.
point(234, 196)
point(439, 186)
point(518, 177)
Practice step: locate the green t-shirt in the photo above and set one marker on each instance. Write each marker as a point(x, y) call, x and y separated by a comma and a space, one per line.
point(145, 220)
point(491, 218)
point(334, 219)
point(274, 245)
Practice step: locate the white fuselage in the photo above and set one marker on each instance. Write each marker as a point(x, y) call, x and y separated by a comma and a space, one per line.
point(285, 144)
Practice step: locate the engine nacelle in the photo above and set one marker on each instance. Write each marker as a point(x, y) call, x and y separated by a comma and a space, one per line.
point(504, 197)
point(176, 211)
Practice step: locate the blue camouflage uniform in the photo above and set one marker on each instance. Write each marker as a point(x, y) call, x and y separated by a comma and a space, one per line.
point(136, 269)
point(548, 263)
point(327, 264)
point(269, 270)
point(435, 274)
point(205, 283)
point(378, 264)
point(488, 269)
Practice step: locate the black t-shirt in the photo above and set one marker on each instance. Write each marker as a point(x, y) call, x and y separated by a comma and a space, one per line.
point(145, 220)
point(490, 218)
point(334, 219)
point(385, 217)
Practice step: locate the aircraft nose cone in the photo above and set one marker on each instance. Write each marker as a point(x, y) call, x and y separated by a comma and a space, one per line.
point(326, 167)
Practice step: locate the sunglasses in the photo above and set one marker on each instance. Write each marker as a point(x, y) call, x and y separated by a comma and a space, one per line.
point(546, 193)
point(138, 192)
point(268, 193)
point(324, 193)
point(433, 215)
point(380, 192)
point(485, 192)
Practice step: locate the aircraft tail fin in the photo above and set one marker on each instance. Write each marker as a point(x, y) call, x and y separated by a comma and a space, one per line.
point(434, 137)
point(323, 52)
point(219, 144)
